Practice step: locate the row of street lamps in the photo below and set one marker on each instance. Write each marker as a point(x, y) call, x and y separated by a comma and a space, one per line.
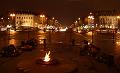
point(43, 21)
point(90, 24)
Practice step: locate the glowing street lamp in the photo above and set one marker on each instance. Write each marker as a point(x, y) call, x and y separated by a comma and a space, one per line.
point(79, 22)
point(2, 18)
point(118, 17)
point(53, 21)
point(53, 18)
point(12, 15)
point(91, 21)
point(42, 17)
point(78, 18)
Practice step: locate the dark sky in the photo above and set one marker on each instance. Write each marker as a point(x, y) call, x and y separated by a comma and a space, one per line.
point(65, 10)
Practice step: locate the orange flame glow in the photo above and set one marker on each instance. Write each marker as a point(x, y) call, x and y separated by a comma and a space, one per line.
point(47, 57)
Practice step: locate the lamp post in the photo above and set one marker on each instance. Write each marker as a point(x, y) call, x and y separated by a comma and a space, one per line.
point(50, 41)
point(42, 18)
point(79, 24)
point(12, 15)
point(91, 21)
point(53, 21)
point(8, 28)
point(75, 25)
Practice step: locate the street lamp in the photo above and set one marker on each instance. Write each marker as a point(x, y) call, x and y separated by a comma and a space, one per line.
point(53, 21)
point(42, 17)
point(12, 15)
point(53, 18)
point(76, 22)
point(91, 21)
point(2, 18)
point(79, 24)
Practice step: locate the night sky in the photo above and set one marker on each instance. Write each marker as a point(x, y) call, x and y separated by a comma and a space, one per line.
point(65, 10)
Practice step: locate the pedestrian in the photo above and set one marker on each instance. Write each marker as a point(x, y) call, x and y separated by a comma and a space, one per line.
point(44, 43)
point(73, 42)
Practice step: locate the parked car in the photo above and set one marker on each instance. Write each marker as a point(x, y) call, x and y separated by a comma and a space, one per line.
point(10, 51)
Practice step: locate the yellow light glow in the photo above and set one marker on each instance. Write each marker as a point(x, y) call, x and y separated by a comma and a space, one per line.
point(47, 57)
point(89, 33)
point(118, 17)
point(78, 18)
point(12, 31)
point(41, 37)
point(42, 15)
point(12, 15)
point(118, 32)
point(63, 29)
point(12, 41)
point(53, 18)
point(75, 21)
point(118, 43)
point(2, 18)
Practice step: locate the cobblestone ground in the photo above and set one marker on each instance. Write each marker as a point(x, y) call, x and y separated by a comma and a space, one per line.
point(85, 64)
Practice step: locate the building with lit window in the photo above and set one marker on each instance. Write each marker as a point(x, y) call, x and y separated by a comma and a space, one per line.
point(107, 18)
point(91, 23)
point(25, 20)
point(108, 22)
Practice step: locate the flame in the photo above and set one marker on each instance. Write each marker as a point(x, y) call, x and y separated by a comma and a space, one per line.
point(47, 57)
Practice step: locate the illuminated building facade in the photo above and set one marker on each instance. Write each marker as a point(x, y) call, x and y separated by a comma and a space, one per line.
point(107, 18)
point(91, 21)
point(26, 20)
point(108, 22)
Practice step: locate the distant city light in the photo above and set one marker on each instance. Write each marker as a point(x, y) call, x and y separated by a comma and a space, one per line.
point(9, 26)
point(42, 15)
point(78, 18)
point(2, 18)
point(53, 18)
point(12, 15)
point(89, 33)
point(90, 12)
point(118, 16)
point(63, 29)
point(12, 31)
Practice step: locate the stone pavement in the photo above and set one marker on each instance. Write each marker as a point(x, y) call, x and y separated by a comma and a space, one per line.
point(85, 64)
